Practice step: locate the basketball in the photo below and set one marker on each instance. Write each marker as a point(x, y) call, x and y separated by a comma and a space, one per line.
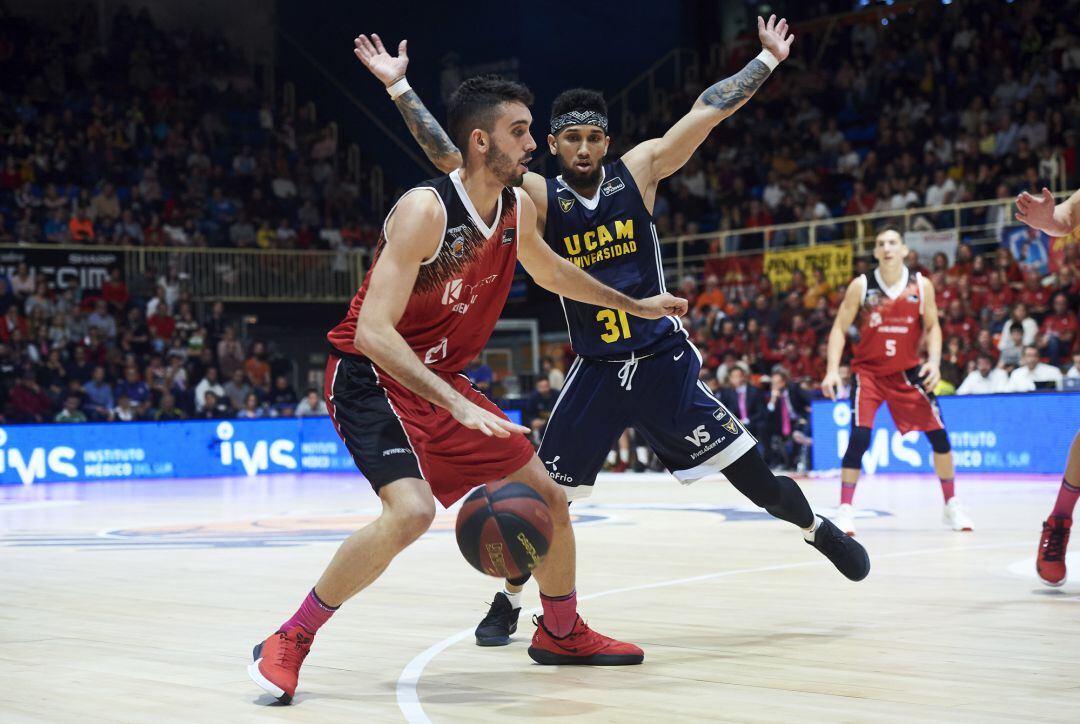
point(504, 529)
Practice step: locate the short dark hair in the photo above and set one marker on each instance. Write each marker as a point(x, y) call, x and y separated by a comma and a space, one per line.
point(578, 99)
point(474, 104)
point(889, 227)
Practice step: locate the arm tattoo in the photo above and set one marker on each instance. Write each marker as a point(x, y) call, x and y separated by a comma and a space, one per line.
point(425, 129)
point(732, 92)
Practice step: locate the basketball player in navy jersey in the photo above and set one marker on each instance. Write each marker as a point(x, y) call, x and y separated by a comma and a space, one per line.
point(414, 425)
point(895, 307)
point(629, 371)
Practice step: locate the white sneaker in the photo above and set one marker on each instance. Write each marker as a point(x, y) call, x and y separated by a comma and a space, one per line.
point(845, 518)
point(955, 517)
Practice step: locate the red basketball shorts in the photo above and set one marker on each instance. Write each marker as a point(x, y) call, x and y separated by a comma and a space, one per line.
point(911, 406)
point(393, 433)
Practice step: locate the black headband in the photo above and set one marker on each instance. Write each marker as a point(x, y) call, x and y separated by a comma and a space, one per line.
point(578, 118)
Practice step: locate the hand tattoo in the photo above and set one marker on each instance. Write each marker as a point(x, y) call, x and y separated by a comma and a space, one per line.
point(732, 92)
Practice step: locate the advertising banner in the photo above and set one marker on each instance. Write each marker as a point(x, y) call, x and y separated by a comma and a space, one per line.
point(61, 269)
point(928, 243)
point(834, 259)
point(1010, 433)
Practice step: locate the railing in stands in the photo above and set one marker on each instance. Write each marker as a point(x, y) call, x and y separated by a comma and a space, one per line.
point(979, 222)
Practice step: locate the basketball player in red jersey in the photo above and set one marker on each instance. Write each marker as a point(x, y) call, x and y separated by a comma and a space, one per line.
point(1061, 220)
point(413, 423)
point(896, 307)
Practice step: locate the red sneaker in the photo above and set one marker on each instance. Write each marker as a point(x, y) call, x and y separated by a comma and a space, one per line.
point(581, 646)
point(1050, 562)
point(277, 662)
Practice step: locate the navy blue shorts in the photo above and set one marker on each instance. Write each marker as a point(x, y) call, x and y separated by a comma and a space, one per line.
point(661, 397)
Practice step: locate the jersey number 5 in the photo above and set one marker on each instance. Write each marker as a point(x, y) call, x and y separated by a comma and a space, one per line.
point(890, 348)
point(616, 325)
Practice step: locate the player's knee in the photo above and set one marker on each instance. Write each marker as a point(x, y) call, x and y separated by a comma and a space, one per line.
point(939, 441)
point(857, 445)
point(411, 519)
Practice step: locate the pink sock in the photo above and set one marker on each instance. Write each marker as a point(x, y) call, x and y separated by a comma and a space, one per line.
point(1066, 500)
point(948, 486)
point(847, 493)
point(311, 615)
point(560, 613)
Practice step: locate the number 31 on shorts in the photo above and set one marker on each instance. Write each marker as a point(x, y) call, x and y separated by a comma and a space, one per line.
point(616, 325)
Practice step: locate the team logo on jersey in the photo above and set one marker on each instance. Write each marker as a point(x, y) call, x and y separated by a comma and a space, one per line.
point(873, 297)
point(875, 319)
point(566, 204)
point(913, 297)
point(719, 414)
point(436, 353)
point(508, 236)
point(457, 247)
point(462, 295)
point(613, 186)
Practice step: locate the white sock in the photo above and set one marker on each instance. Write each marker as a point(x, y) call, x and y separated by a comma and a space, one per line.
point(611, 458)
point(808, 533)
point(515, 598)
point(624, 455)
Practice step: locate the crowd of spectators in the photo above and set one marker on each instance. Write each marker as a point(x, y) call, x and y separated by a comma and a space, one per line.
point(118, 357)
point(946, 103)
point(159, 139)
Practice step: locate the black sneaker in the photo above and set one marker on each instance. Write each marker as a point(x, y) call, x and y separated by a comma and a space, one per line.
point(849, 557)
point(500, 622)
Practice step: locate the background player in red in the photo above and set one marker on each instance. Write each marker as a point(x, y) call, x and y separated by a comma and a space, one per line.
point(412, 422)
point(1040, 213)
point(895, 307)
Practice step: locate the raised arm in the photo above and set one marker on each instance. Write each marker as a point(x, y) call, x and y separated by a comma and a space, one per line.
point(1040, 213)
point(560, 276)
point(413, 233)
point(659, 158)
point(838, 337)
point(436, 144)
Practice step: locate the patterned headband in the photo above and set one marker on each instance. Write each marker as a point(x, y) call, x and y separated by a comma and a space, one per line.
point(578, 118)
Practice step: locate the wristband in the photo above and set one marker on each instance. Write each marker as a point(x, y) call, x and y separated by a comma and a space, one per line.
point(401, 86)
point(764, 56)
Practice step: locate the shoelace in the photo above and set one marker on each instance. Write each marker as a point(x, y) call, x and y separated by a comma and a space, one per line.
point(626, 372)
point(496, 612)
point(292, 654)
point(835, 543)
point(1055, 544)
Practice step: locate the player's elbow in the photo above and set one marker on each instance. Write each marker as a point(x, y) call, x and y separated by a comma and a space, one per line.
point(366, 337)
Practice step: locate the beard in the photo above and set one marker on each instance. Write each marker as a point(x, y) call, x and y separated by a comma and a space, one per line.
point(577, 180)
point(503, 167)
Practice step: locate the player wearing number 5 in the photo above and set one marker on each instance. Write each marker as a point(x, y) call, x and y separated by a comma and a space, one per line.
point(630, 371)
point(896, 309)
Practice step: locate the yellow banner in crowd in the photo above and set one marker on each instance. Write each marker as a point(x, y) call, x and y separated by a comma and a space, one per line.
point(834, 259)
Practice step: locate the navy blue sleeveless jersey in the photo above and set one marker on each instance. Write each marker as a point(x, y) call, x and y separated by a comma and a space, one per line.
point(613, 238)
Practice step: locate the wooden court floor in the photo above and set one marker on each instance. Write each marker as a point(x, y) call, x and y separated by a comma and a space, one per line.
point(140, 603)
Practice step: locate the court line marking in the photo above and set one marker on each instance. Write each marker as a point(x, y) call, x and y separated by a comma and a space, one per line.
point(408, 698)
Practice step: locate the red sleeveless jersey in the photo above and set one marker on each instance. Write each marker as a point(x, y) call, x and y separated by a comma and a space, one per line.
point(890, 325)
point(460, 292)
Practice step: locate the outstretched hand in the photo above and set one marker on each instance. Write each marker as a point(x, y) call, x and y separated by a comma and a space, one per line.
point(375, 58)
point(1038, 213)
point(774, 36)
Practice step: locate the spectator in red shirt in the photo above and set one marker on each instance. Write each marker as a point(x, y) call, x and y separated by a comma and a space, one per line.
point(954, 361)
point(1010, 270)
point(980, 275)
point(913, 263)
point(862, 200)
point(114, 291)
point(1058, 332)
point(12, 322)
point(800, 334)
point(959, 324)
point(999, 296)
point(984, 344)
point(162, 327)
point(728, 340)
point(940, 265)
point(28, 402)
point(962, 266)
point(1035, 295)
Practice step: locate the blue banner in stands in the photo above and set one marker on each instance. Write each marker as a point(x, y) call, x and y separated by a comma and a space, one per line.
point(148, 450)
point(1011, 433)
